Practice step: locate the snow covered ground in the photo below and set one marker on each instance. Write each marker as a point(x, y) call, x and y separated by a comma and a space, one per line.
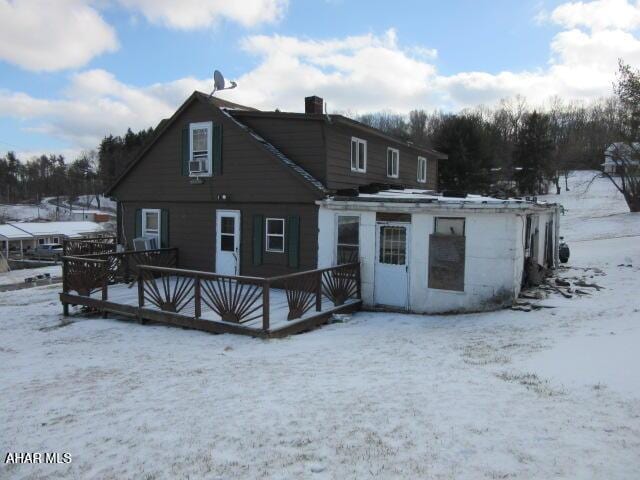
point(552, 393)
point(31, 212)
point(18, 276)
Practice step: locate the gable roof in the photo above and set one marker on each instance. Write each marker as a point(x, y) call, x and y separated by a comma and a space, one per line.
point(226, 108)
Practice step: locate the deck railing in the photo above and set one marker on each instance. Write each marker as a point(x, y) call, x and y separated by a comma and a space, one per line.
point(234, 299)
point(89, 245)
point(242, 299)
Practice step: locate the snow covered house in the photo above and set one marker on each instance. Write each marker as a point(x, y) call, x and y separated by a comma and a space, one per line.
point(426, 253)
point(25, 236)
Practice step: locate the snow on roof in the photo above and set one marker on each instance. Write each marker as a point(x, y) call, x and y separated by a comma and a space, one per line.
point(9, 232)
point(68, 229)
point(430, 197)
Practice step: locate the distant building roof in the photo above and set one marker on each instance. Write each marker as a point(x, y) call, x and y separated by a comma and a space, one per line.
point(9, 232)
point(25, 230)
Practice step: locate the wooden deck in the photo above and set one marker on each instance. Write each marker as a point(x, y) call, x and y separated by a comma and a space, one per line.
point(130, 284)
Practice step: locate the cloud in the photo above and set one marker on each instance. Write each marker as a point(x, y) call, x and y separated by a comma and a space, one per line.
point(41, 35)
point(598, 15)
point(193, 14)
point(96, 104)
point(359, 73)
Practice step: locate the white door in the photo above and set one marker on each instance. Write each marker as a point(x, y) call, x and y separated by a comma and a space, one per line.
point(228, 242)
point(391, 287)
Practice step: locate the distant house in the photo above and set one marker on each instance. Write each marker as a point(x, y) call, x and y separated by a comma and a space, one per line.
point(619, 155)
point(20, 237)
point(254, 193)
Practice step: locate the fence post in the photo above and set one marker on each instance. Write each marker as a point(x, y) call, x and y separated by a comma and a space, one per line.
point(140, 288)
point(265, 305)
point(358, 282)
point(105, 281)
point(196, 298)
point(319, 292)
point(65, 286)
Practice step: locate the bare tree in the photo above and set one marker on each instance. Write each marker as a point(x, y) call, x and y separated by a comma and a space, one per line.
point(625, 154)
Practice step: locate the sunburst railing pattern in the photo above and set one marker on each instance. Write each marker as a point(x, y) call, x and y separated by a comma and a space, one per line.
point(303, 292)
point(341, 283)
point(234, 300)
point(168, 292)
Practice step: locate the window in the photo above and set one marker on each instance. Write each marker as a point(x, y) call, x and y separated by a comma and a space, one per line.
point(151, 226)
point(358, 155)
point(447, 254)
point(275, 235)
point(393, 245)
point(41, 241)
point(200, 149)
point(348, 245)
point(227, 233)
point(422, 170)
point(56, 240)
point(393, 160)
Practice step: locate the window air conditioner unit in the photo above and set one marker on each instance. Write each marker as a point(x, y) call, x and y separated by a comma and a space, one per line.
point(144, 243)
point(197, 166)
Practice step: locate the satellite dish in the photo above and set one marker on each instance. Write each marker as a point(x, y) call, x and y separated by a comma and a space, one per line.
point(219, 84)
point(218, 80)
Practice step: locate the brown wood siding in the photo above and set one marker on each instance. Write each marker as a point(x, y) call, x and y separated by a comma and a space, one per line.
point(339, 174)
point(192, 229)
point(245, 167)
point(300, 139)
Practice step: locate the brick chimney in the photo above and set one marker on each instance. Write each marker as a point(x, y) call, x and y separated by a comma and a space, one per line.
point(313, 104)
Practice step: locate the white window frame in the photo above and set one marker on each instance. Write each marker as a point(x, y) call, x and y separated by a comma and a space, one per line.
point(422, 178)
point(144, 230)
point(267, 234)
point(209, 127)
point(395, 172)
point(337, 234)
point(361, 143)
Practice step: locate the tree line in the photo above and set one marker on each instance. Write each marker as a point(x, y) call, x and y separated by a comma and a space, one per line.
point(511, 147)
point(515, 149)
point(52, 176)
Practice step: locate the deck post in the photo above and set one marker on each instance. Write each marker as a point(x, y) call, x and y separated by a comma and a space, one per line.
point(125, 267)
point(358, 284)
point(265, 306)
point(140, 289)
point(65, 309)
point(196, 297)
point(319, 292)
point(140, 294)
point(105, 286)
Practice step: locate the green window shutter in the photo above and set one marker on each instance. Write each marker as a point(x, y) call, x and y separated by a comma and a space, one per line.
point(164, 228)
point(293, 241)
point(216, 143)
point(258, 235)
point(138, 229)
point(184, 149)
